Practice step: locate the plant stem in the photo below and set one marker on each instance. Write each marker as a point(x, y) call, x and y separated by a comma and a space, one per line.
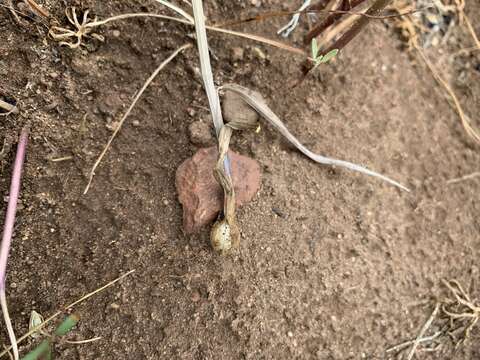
point(46, 345)
point(375, 9)
point(330, 20)
point(207, 75)
point(8, 231)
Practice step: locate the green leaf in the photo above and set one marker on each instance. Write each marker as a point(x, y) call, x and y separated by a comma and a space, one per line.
point(314, 49)
point(328, 56)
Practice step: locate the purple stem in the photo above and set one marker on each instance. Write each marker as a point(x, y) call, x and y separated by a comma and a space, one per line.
point(12, 206)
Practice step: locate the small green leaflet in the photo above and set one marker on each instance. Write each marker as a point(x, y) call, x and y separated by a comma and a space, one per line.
point(328, 56)
point(322, 59)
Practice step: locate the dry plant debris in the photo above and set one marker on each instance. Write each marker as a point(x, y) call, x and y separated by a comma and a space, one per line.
point(8, 108)
point(421, 30)
point(453, 318)
point(462, 312)
point(65, 309)
point(83, 29)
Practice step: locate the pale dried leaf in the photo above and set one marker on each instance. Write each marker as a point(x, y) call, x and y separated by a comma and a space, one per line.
point(262, 108)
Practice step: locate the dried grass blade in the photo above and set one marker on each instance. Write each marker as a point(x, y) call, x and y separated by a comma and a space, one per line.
point(177, 9)
point(273, 119)
point(206, 68)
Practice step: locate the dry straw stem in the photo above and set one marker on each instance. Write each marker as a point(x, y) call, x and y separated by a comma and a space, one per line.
point(405, 344)
point(37, 9)
point(262, 108)
point(248, 36)
point(463, 178)
point(423, 330)
point(469, 128)
point(267, 15)
point(132, 105)
point(66, 308)
point(471, 30)
point(206, 68)
point(80, 342)
point(11, 109)
point(177, 10)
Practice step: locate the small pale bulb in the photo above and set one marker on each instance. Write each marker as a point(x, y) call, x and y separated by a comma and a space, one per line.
point(221, 237)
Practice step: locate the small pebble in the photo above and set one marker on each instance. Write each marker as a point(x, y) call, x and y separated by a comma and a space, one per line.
point(237, 54)
point(200, 134)
point(195, 296)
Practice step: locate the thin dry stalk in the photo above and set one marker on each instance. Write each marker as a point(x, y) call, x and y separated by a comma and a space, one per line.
point(80, 342)
point(469, 128)
point(132, 105)
point(358, 26)
point(37, 9)
point(423, 330)
point(206, 68)
point(471, 30)
point(62, 33)
point(332, 33)
point(267, 15)
point(11, 109)
point(66, 308)
point(463, 178)
point(405, 344)
point(178, 10)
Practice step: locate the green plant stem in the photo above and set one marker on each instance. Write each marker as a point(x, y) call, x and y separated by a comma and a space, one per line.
point(44, 348)
point(67, 325)
point(40, 350)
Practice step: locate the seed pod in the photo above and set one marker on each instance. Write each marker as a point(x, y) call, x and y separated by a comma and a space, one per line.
point(224, 237)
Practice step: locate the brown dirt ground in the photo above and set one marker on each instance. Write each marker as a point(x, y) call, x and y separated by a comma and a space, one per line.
point(332, 265)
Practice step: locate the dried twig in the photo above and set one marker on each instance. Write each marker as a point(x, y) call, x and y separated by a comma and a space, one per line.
point(423, 330)
point(405, 344)
point(357, 27)
point(132, 105)
point(37, 9)
point(63, 33)
point(463, 178)
point(11, 109)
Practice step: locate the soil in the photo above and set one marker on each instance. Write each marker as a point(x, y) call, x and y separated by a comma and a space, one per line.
point(332, 264)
